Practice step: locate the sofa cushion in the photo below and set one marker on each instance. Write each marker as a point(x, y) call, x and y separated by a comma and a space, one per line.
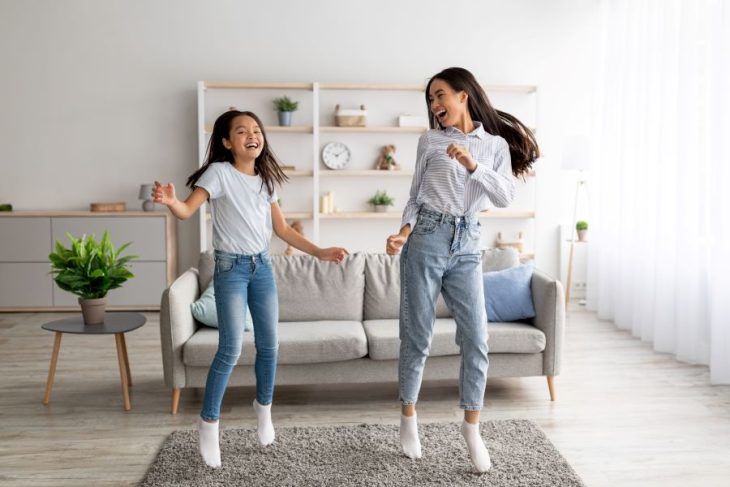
point(382, 282)
point(507, 294)
point(310, 290)
point(384, 343)
point(299, 343)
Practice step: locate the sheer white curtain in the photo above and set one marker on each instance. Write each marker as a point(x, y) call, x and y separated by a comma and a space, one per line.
point(660, 247)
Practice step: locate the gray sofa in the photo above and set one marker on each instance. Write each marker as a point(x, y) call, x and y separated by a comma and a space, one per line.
point(339, 324)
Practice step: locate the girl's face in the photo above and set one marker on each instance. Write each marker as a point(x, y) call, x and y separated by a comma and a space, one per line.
point(448, 105)
point(245, 139)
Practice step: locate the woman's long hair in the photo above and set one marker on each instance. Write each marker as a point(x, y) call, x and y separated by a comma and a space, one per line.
point(523, 147)
point(266, 164)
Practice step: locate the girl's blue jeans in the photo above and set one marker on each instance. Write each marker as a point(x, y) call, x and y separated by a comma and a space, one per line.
point(240, 280)
point(442, 255)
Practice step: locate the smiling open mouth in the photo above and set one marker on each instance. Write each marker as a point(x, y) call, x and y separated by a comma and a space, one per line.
point(441, 114)
point(252, 145)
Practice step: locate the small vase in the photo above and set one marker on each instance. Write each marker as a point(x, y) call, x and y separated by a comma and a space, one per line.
point(380, 208)
point(93, 310)
point(582, 235)
point(284, 119)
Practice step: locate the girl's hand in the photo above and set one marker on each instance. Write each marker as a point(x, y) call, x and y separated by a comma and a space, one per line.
point(394, 244)
point(164, 194)
point(462, 155)
point(332, 254)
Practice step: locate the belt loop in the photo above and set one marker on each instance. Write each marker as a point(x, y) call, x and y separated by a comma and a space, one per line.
point(443, 217)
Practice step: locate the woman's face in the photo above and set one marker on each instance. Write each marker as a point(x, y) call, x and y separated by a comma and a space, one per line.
point(245, 138)
point(447, 105)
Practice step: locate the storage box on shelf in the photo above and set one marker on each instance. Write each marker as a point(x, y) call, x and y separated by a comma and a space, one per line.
point(315, 125)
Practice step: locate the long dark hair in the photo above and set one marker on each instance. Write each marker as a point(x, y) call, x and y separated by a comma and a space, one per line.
point(523, 147)
point(266, 164)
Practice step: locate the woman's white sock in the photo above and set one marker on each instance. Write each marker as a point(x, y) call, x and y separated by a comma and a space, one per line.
point(265, 428)
point(209, 443)
point(409, 436)
point(477, 450)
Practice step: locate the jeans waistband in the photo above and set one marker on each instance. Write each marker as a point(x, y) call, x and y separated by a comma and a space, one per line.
point(446, 218)
point(242, 257)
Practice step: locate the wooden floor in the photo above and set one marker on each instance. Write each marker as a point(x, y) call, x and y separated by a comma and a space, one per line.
point(624, 415)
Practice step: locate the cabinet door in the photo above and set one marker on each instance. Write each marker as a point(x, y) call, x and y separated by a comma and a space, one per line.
point(144, 289)
point(147, 234)
point(25, 284)
point(25, 239)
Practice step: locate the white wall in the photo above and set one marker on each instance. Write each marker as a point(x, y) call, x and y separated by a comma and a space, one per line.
point(99, 96)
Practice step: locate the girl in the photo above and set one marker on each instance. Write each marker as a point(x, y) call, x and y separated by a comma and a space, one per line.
point(467, 161)
point(238, 179)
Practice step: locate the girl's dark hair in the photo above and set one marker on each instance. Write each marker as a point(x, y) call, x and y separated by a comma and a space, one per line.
point(523, 147)
point(266, 164)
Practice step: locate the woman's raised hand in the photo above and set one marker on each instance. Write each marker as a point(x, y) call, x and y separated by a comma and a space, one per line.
point(164, 194)
point(394, 244)
point(462, 155)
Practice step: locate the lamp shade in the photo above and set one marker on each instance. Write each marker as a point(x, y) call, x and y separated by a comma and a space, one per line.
point(145, 191)
point(577, 153)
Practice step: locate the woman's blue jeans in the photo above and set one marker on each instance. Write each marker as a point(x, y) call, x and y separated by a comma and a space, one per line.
point(442, 255)
point(240, 280)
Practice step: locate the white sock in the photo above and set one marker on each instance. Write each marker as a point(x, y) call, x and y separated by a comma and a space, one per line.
point(265, 429)
point(477, 450)
point(409, 436)
point(209, 445)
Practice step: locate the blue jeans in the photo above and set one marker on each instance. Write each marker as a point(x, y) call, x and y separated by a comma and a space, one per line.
point(442, 255)
point(238, 280)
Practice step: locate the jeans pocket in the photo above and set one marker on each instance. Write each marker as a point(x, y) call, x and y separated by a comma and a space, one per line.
point(224, 264)
point(424, 226)
point(475, 231)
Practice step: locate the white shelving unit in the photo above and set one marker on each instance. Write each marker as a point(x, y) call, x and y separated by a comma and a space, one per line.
point(300, 145)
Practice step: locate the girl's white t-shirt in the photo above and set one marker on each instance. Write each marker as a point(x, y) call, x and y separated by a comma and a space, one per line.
point(240, 208)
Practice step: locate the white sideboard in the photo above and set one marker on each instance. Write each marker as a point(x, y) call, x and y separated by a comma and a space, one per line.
point(27, 237)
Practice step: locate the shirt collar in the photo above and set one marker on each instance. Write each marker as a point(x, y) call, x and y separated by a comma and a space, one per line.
point(477, 132)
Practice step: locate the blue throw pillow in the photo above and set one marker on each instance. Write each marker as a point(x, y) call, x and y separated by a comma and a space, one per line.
point(507, 294)
point(205, 312)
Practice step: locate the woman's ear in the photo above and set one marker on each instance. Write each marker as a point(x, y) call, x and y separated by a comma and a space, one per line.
point(463, 96)
point(227, 143)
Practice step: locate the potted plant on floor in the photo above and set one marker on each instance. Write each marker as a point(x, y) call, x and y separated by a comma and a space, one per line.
point(285, 106)
point(381, 201)
point(582, 228)
point(90, 269)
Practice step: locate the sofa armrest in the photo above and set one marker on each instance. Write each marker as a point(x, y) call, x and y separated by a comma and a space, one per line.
point(177, 325)
point(549, 301)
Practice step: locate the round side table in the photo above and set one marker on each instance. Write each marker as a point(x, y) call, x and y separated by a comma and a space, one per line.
point(116, 324)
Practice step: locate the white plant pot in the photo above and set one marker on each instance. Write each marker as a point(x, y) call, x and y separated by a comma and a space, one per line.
point(380, 208)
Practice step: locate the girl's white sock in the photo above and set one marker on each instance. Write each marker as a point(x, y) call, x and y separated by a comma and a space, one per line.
point(409, 436)
point(477, 450)
point(265, 428)
point(209, 444)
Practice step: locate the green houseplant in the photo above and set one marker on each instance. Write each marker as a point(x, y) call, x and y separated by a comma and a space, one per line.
point(381, 201)
point(582, 229)
point(90, 269)
point(285, 106)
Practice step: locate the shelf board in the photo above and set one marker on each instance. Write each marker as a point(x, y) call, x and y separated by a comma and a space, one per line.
point(295, 129)
point(288, 216)
point(419, 87)
point(324, 173)
point(361, 215)
point(298, 173)
point(527, 256)
point(407, 130)
point(257, 85)
point(500, 213)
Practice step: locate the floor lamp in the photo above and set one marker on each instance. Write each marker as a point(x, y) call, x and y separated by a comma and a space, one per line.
point(576, 157)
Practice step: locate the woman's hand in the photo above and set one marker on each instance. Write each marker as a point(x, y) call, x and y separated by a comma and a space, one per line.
point(462, 155)
point(394, 244)
point(332, 254)
point(164, 194)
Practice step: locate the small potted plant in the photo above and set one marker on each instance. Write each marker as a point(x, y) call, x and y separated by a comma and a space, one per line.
point(90, 269)
point(582, 229)
point(381, 201)
point(285, 106)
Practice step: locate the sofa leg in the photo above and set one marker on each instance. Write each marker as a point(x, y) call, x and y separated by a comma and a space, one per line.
point(551, 386)
point(175, 399)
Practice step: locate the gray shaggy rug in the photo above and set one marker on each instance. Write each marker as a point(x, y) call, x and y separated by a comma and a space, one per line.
point(364, 455)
